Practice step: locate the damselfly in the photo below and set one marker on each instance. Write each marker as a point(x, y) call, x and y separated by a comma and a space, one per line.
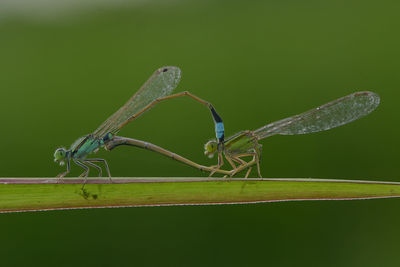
point(333, 114)
point(158, 88)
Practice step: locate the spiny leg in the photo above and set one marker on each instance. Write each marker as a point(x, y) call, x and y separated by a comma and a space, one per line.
point(258, 151)
point(94, 166)
point(243, 162)
point(234, 167)
point(229, 159)
point(248, 172)
point(243, 167)
point(258, 166)
point(86, 172)
point(250, 154)
point(258, 169)
point(239, 160)
point(220, 164)
point(105, 165)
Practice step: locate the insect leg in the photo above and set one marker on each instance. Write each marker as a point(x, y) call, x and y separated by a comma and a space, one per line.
point(105, 165)
point(86, 172)
point(220, 164)
point(230, 160)
point(257, 157)
point(239, 160)
point(94, 166)
point(243, 167)
point(248, 172)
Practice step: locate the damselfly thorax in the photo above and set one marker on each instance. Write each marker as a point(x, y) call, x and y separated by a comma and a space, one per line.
point(240, 143)
point(87, 145)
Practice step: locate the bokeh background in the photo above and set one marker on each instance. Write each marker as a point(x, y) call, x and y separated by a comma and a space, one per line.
point(65, 66)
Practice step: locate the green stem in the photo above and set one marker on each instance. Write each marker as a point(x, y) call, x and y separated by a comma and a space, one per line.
point(28, 194)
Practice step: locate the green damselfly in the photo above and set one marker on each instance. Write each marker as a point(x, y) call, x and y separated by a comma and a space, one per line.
point(158, 88)
point(333, 114)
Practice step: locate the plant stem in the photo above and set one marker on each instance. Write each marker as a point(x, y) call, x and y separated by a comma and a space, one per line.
point(29, 194)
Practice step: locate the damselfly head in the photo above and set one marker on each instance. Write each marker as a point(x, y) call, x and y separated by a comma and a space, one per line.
point(210, 148)
point(59, 155)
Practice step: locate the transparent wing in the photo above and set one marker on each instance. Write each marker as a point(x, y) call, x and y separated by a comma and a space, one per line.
point(160, 84)
point(333, 114)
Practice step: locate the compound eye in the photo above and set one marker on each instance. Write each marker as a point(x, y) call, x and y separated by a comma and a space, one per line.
point(60, 154)
point(211, 146)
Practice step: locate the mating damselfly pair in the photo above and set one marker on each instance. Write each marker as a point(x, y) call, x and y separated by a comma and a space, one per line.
point(234, 149)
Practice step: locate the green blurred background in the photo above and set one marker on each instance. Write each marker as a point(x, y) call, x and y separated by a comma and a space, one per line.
point(66, 65)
